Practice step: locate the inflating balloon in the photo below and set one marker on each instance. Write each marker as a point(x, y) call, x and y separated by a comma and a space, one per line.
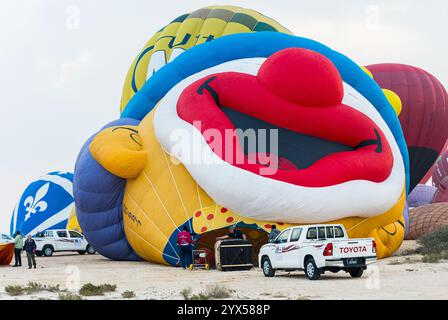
point(72, 222)
point(426, 219)
point(45, 204)
point(440, 178)
point(340, 158)
point(423, 116)
point(189, 30)
point(6, 253)
point(421, 195)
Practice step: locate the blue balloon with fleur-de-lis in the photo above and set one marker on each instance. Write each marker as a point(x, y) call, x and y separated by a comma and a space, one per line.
point(45, 204)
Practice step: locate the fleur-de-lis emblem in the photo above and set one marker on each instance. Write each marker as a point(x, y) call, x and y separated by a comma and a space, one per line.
point(36, 204)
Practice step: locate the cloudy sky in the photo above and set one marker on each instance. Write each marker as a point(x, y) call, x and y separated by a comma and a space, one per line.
point(63, 63)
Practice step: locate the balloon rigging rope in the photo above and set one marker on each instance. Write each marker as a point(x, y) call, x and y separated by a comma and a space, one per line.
point(161, 202)
point(361, 222)
point(152, 246)
point(152, 222)
point(177, 189)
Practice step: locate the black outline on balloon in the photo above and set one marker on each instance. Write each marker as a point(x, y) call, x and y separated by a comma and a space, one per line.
point(132, 135)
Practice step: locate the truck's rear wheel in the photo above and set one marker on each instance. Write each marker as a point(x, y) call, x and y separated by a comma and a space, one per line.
point(356, 272)
point(312, 272)
point(90, 249)
point(268, 271)
point(48, 251)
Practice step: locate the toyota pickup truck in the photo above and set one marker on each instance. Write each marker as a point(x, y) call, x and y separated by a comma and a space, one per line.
point(52, 241)
point(317, 249)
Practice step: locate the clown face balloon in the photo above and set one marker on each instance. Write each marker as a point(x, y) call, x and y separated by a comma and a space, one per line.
point(248, 130)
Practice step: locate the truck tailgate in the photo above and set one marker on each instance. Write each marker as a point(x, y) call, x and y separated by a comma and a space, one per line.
point(353, 248)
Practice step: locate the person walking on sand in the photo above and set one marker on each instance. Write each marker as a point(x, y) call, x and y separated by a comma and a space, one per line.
point(185, 242)
point(30, 249)
point(18, 247)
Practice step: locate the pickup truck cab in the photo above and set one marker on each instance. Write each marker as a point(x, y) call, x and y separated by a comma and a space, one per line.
point(52, 241)
point(317, 249)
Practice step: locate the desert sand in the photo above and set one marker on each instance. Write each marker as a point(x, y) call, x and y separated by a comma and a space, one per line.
point(398, 277)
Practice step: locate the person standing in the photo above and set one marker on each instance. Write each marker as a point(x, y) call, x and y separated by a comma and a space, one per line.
point(18, 247)
point(30, 249)
point(233, 234)
point(185, 242)
point(274, 233)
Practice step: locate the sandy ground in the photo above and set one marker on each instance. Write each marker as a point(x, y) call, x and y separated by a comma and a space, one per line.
point(398, 277)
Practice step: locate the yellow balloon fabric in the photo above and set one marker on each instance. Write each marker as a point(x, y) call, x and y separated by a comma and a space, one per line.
point(189, 30)
point(72, 223)
point(394, 100)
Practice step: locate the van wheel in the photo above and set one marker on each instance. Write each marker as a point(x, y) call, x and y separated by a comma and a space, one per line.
point(90, 249)
point(268, 271)
point(356, 272)
point(48, 251)
point(312, 272)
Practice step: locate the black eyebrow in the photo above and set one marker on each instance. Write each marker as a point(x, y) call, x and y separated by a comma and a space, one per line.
point(206, 86)
point(132, 134)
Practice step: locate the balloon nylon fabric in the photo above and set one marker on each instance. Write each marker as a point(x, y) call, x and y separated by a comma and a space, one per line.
point(98, 199)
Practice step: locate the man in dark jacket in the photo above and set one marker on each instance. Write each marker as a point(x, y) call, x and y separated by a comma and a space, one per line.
point(30, 248)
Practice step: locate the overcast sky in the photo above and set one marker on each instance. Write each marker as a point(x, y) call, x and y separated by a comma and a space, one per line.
point(61, 77)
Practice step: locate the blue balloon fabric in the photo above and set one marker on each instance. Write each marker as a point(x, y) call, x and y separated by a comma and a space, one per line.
point(98, 199)
point(45, 204)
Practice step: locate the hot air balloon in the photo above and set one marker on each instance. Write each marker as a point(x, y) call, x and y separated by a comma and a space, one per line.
point(440, 178)
point(6, 249)
point(45, 204)
point(186, 31)
point(424, 113)
point(421, 195)
point(343, 157)
point(428, 218)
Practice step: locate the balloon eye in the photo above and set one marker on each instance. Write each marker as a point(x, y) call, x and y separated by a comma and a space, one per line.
point(394, 100)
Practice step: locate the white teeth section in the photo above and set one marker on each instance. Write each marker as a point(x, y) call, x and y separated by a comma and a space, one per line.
point(267, 199)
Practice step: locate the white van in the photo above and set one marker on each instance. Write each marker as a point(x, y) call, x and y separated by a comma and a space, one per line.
point(61, 240)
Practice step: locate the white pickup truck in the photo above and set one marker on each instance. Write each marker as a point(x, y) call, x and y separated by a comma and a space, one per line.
point(52, 241)
point(317, 249)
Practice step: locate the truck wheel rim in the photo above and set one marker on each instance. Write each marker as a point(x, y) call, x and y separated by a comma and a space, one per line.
point(310, 269)
point(47, 252)
point(266, 267)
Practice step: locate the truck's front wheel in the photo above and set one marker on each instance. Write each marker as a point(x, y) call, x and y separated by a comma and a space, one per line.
point(311, 270)
point(356, 272)
point(268, 271)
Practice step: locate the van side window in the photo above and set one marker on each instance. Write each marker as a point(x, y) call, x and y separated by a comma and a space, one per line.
point(312, 233)
point(62, 234)
point(283, 237)
point(330, 232)
point(338, 232)
point(321, 232)
point(74, 234)
point(296, 232)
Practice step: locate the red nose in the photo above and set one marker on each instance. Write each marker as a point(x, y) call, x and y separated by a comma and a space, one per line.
point(302, 77)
